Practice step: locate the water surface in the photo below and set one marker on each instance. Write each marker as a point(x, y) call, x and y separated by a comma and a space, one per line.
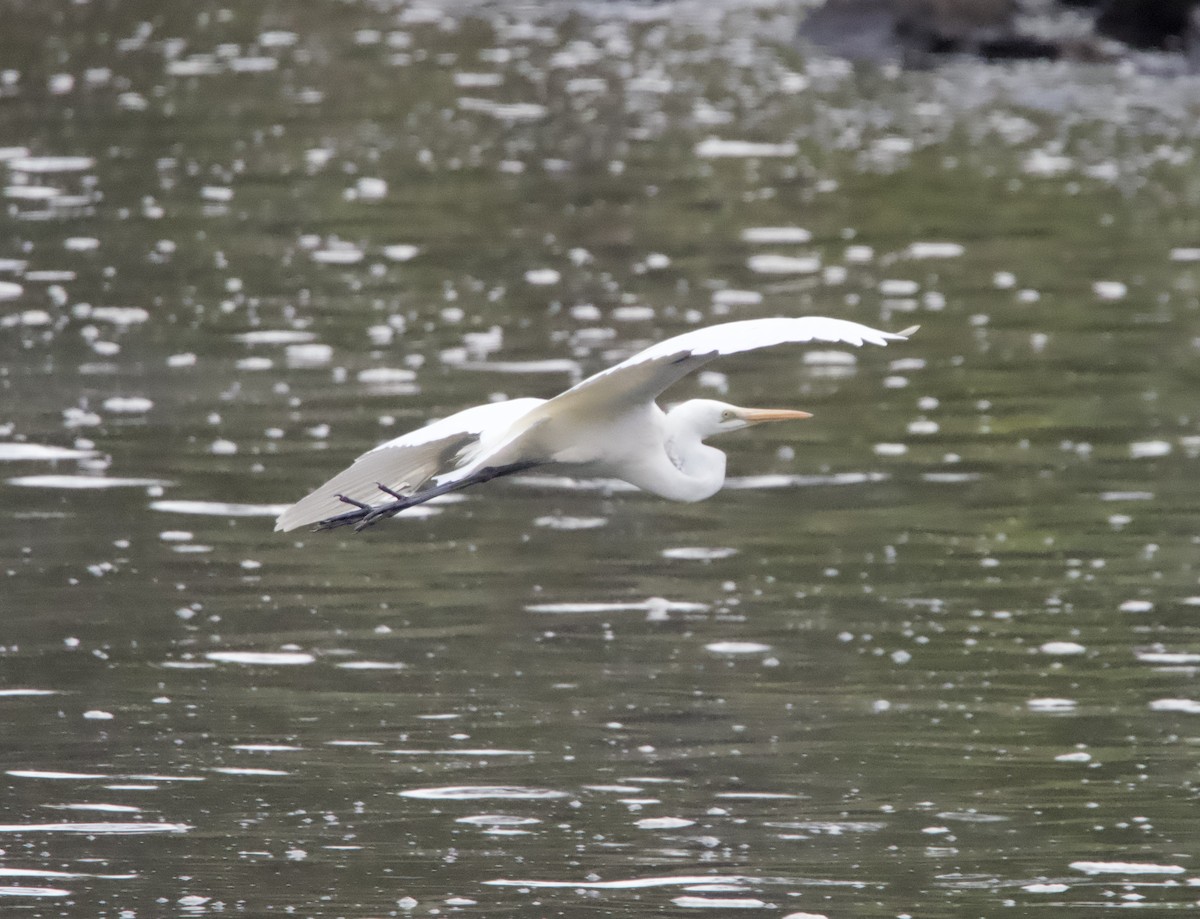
point(932, 653)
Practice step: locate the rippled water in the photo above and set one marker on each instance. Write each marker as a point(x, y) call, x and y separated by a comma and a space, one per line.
point(933, 654)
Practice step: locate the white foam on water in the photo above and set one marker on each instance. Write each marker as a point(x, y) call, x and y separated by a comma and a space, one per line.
point(633, 313)
point(542, 277)
point(497, 820)
point(341, 255)
point(951, 478)
point(681, 880)
point(550, 365)
point(1126, 496)
point(776, 235)
point(128, 405)
point(85, 482)
point(694, 902)
point(99, 808)
point(772, 263)
point(167, 778)
point(32, 192)
point(44, 164)
point(468, 80)
point(829, 358)
point(70, 875)
point(1136, 606)
point(715, 888)
point(96, 829)
point(651, 605)
point(754, 482)
point(401, 252)
point(557, 522)
point(14, 693)
point(275, 337)
point(261, 658)
point(1106, 867)
point(737, 647)
point(731, 297)
point(1047, 165)
point(898, 287)
point(54, 774)
point(1044, 887)
point(386, 375)
point(246, 770)
point(482, 792)
point(1062, 648)
point(219, 508)
point(663, 823)
point(1051, 705)
point(1186, 706)
point(1178, 658)
point(504, 111)
point(1110, 290)
point(265, 747)
point(13, 891)
point(699, 553)
point(119, 315)
point(716, 148)
point(1078, 756)
point(23, 452)
point(309, 355)
point(254, 363)
point(923, 250)
point(567, 483)
point(1149, 449)
point(253, 64)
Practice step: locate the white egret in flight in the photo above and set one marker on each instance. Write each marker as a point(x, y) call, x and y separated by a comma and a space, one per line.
point(605, 426)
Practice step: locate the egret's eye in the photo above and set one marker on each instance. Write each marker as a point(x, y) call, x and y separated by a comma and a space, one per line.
point(727, 415)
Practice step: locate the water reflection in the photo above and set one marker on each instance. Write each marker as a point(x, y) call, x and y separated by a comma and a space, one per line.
point(937, 657)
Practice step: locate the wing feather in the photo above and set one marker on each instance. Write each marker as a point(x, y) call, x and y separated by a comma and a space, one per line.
point(410, 461)
point(648, 373)
point(400, 468)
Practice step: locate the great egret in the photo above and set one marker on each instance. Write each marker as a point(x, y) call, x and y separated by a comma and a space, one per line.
point(607, 425)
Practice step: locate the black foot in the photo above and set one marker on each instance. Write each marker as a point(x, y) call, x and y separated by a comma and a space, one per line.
point(367, 514)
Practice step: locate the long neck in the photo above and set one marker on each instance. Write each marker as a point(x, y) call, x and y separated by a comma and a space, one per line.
point(700, 469)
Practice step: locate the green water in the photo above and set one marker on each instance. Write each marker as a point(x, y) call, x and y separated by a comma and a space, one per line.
point(932, 653)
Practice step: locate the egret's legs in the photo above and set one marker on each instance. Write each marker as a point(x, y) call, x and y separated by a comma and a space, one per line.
point(365, 515)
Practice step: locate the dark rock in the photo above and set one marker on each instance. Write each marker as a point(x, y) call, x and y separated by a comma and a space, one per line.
point(915, 31)
point(1159, 24)
point(912, 29)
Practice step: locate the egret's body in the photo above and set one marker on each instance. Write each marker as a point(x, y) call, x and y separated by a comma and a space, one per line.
point(609, 425)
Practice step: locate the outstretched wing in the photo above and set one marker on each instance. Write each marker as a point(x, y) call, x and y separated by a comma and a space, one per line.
point(648, 373)
point(408, 462)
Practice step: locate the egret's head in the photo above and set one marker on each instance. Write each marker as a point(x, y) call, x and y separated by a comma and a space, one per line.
point(708, 417)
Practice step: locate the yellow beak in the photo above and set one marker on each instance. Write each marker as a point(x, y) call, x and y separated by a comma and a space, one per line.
point(759, 415)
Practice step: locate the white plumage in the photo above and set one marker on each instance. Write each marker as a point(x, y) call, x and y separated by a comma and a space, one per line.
point(607, 425)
